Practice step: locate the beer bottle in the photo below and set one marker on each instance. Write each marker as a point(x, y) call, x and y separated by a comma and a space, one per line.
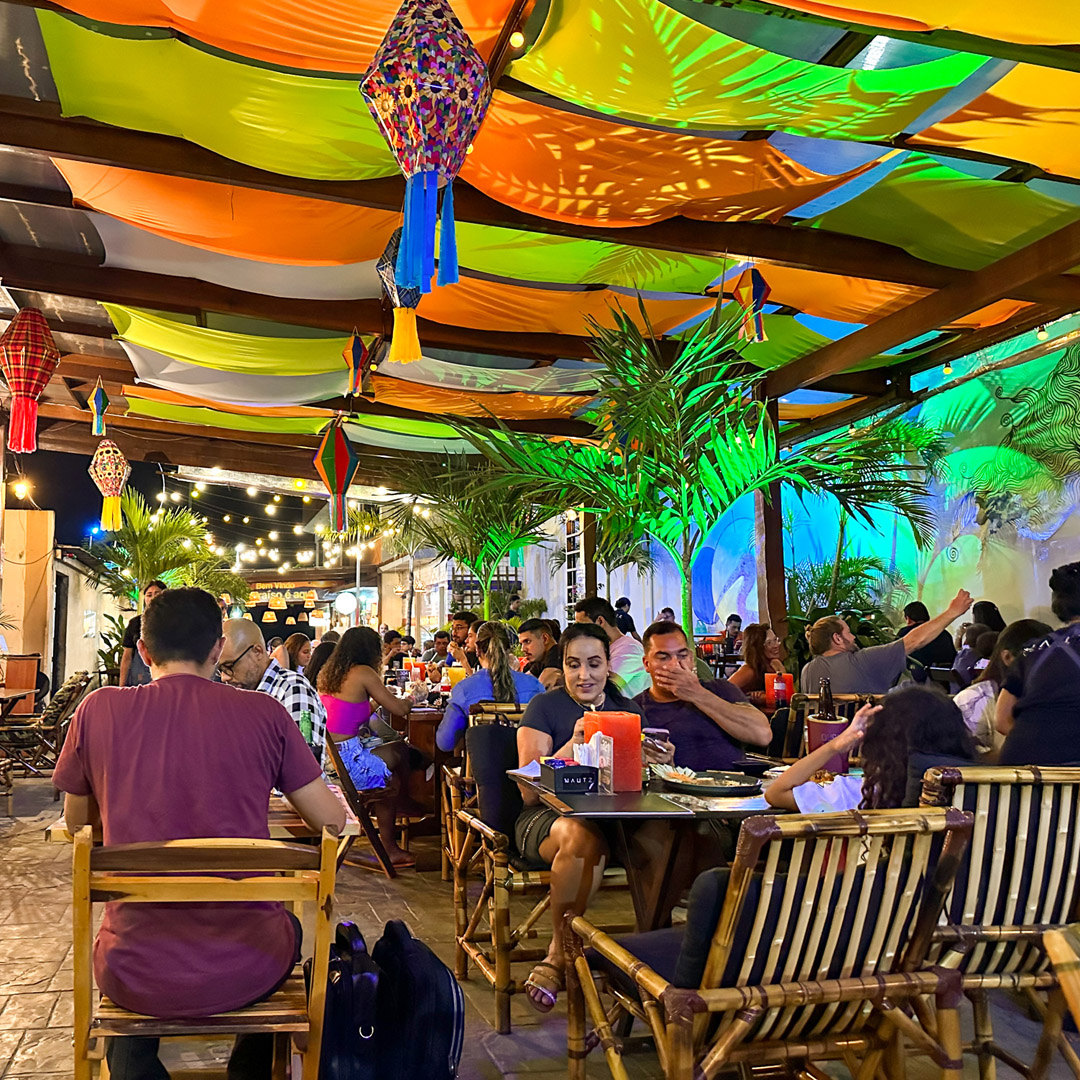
point(826, 710)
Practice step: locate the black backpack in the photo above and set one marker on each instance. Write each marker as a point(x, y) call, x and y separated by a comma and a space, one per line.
point(394, 1014)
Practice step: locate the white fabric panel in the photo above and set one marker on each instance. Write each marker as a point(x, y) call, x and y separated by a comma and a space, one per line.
point(128, 247)
point(546, 380)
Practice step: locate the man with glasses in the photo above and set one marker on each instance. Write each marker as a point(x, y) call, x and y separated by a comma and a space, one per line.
point(246, 663)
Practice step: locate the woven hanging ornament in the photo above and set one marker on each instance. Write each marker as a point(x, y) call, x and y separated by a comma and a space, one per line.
point(405, 344)
point(751, 291)
point(99, 404)
point(336, 462)
point(110, 470)
point(428, 89)
point(28, 356)
point(359, 359)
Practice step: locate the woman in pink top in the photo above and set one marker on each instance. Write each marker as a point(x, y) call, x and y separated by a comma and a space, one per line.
point(351, 688)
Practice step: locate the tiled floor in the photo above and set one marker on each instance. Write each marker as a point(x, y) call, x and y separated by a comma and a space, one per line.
point(35, 967)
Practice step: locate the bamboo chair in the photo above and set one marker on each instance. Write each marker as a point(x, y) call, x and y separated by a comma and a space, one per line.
point(803, 960)
point(185, 871)
point(1063, 949)
point(358, 804)
point(789, 743)
point(1018, 880)
point(32, 745)
point(485, 849)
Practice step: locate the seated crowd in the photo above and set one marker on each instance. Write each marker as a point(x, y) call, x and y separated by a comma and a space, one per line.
point(1017, 701)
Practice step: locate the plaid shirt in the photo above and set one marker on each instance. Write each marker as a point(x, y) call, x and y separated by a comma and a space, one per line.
point(297, 695)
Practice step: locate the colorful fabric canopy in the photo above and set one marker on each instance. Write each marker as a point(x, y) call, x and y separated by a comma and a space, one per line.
point(1043, 22)
point(298, 125)
point(647, 63)
point(323, 35)
point(572, 168)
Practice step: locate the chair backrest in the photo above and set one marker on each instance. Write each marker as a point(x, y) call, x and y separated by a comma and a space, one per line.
point(491, 749)
point(348, 788)
point(826, 896)
point(507, 713)
point(66, 699)
point(1063, 949)
point(1021, 869)
point(21, 673)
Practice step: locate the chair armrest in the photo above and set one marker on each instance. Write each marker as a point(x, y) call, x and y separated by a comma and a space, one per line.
point(500, 841)
point(592, 938)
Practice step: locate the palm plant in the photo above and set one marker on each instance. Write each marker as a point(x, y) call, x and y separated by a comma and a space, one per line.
point(676, 444)
point(168, 545)
point(464, 510)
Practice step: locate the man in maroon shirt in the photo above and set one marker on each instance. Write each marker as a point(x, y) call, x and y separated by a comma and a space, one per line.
point(184, 757)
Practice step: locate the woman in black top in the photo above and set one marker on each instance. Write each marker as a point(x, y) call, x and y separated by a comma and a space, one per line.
point(575, 849)
point(1038, 708)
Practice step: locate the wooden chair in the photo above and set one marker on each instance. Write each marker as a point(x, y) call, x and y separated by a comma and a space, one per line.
point(185, 871)
point(1063, 948)
point(789, 732)
point(1018, 880)
point(796, 952)
point(358, 803)
point(484, 847)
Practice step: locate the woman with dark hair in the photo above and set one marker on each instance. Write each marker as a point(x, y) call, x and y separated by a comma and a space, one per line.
point(978, 702)
point(986, 612)
point(761, 657)
point(575, 849)
point(1038, 709)
point(497, 680)
point(349, 683)
point(319, 655)
point(914, 729)
point(295, 652)
point(968, 656)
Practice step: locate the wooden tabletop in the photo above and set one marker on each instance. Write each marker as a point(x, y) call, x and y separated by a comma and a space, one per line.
point(285, 823)
point(9, 695)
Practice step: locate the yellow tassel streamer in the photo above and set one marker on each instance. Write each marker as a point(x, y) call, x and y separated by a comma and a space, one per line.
point(110, 513)
point(405, 346)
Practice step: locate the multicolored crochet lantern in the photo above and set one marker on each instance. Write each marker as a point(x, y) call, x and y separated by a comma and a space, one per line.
point(336, 462)
point(28, 356)
point(110, 470)
point(428, 89)
point(405, 344)
point(99, 405)
point(751, 291)
point(360, 361)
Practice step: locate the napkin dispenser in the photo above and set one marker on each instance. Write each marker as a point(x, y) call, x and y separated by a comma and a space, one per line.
point(567, 777)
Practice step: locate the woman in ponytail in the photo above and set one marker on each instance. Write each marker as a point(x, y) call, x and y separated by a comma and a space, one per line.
point(497, 680)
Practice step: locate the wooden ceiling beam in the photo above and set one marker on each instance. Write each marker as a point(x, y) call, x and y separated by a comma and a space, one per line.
point(1048, 257)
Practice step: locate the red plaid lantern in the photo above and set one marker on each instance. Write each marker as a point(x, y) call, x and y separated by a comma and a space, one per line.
point(110, 471)
point(336, 462)
point(28, 356)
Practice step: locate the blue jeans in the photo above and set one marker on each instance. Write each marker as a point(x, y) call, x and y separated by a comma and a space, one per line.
point(252, 1058)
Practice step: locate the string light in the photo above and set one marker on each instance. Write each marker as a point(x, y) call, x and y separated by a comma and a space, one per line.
point(1042, 333)
point(271, 509)
point(307, 498)
point(272, 535)
point(300, 484)
point(175, 496)
point(161, 496)
point(517, 39)
point(298, 530)
point(252, 491)
point(227, 518)
point(195, 493)
point(947, 369)
point(277, 498)
point(247, 521)
point(200, 486)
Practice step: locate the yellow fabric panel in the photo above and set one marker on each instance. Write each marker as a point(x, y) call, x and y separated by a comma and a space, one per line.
point(573, 168)
point(814, 412)
point(241, 221)
point(1030, 115)
point(170, 397)
point(1041, 22)
point(491, 305)
point(318, 35)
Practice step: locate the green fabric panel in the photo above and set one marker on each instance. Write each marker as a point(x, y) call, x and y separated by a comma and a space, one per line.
point(291, 124)
point(528, 256)
point(787, 340)
point(640, 60)
point(948, 217)
point(240, 353)
point(194, 414)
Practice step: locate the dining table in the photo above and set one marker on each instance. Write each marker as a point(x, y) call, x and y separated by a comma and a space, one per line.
point(657, 835)
point(9, 757)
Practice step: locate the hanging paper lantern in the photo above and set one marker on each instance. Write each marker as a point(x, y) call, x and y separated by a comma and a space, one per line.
point(269, 616)
point(751, 291)
point(110, 471)
point(336, 462)
point(428, 89)
point(405, 344)
point(28, 356)
point(361, 363)
point(99, 404)
point(302, 617)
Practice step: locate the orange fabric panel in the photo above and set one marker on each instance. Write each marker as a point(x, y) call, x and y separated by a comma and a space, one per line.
point(573, 168)
point(862, 300)
point(241, 221)
point(492, 305)
point(316, 35)
point(1030, 115)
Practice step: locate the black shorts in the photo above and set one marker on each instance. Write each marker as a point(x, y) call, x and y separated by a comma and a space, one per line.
point(531, 829)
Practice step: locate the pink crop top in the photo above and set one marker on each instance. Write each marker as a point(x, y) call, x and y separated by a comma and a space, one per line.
point(345, 718)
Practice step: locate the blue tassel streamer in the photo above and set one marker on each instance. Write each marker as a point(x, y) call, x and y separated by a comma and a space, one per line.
point(431, 213)
point(448, 261)
point(415, 264)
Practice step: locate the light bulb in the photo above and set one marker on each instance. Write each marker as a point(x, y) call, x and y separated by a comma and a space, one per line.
point(277, 498)
point(947, 369)
point(307, 498)
point(1042, 333)
point(517, 39)
point(271, 509)
point(200, 486)
point(175, 496)
point(298, 530)
point(252, 491)
point(272, 535)
point(194, 493)
point(227, 518)
point(299, 484)
point(247, 521)
point(160, 496)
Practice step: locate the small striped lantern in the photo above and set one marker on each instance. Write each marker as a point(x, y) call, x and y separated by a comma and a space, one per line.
point(752, 291)
point(99, 405)
point(110, 470)
point(359, 359)
point(336, 462)
point(28, 356)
